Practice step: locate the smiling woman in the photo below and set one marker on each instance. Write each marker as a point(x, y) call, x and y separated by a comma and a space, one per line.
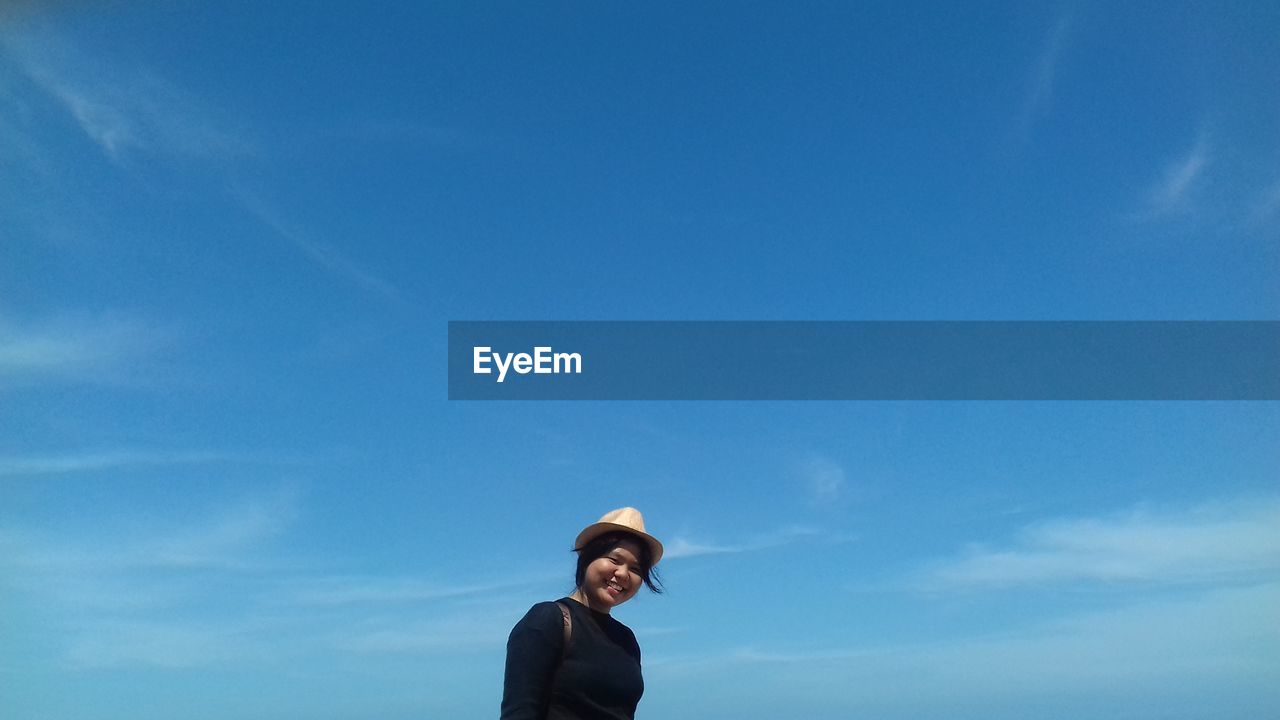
point(570, 658)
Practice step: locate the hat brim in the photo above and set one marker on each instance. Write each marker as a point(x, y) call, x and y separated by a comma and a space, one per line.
point(591, 532)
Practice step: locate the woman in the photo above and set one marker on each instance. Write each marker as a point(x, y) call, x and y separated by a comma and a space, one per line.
point(596, 674)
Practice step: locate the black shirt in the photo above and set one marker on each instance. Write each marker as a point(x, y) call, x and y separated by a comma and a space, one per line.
point(599, 678)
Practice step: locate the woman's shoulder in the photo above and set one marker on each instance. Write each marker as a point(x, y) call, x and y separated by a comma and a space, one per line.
point(543, 615)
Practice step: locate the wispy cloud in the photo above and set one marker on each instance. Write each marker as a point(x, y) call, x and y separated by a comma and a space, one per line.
point(139, 593)
point(132, 113)
point(125, 111)
point(219, 589)
point(1044, 73)
point(223, 539)
point(327, 257)
point(77, 347)
point(413, 616)
point(684, 547)
point(1200, 544)
point(824, 479)
point(378, 590)
point(122, 643)
point(1225, 634)
point(103, 460)
point(452, 633)
point(1174, 193)
point(1267, 205)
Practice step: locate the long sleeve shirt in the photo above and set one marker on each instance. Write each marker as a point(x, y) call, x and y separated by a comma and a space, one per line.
point(598, 679)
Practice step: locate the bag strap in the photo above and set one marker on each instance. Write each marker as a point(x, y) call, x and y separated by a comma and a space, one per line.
point(568, 629)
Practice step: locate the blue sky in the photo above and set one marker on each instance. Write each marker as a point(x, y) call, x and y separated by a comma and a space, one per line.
point(231, 237)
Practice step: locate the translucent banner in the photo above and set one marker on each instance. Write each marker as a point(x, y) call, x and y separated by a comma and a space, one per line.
point(918, 360)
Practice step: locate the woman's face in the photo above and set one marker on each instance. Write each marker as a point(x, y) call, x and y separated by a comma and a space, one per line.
point(613, 578)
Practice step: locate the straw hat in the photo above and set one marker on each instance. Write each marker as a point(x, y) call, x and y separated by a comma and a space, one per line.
point(627, 519)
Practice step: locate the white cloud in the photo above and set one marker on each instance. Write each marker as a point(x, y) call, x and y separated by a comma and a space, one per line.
point(124, 111)
point(365, 590)
point(77, 348)
point(1219, 639)
point(168, 645)
point(1201, 544)
point(102, 460)
point(1173, 194)
point(1267, 204)
point(825, 479)
point(223, 540)
point(683, 547)
point(325, 256)
point(104, 124)
point(1044, 72)
point(439, 635)
point(133, 112)
point(214, 591)
point(168, 592)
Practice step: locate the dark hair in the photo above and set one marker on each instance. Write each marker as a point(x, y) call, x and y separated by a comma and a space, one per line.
point(601, 546)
